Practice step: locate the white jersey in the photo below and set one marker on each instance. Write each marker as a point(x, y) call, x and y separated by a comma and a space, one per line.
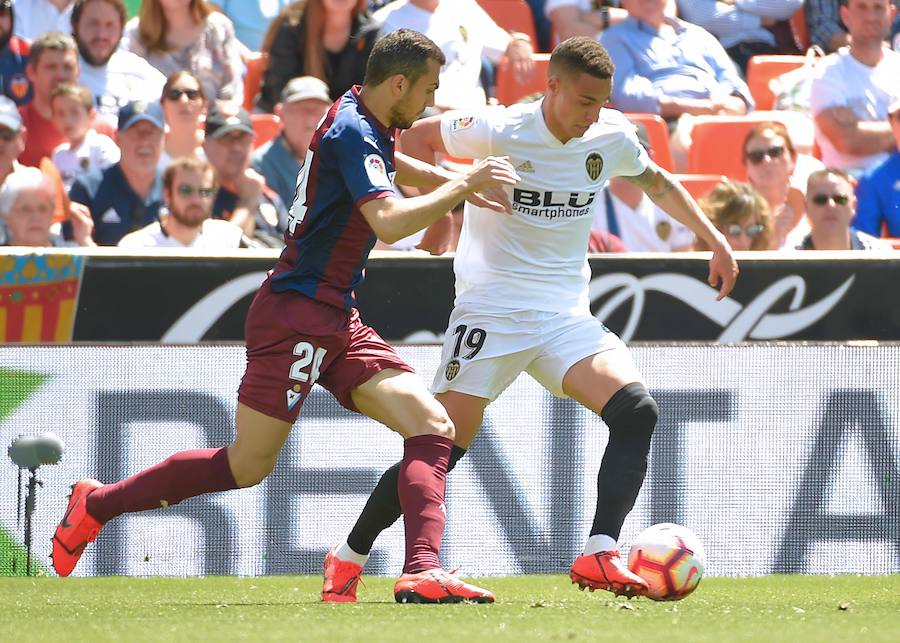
point(215, 234)
point(535, 259)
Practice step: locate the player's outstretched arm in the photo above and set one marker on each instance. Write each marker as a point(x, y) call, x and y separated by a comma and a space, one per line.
point(393, 219)
point(671, 196)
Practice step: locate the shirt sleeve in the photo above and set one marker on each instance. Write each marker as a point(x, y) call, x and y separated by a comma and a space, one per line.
point(466, 134)
point(632, 158)
point(868, 211)
point(494, 39)
point(825, 91)
point(632, 91)
point(363, 167)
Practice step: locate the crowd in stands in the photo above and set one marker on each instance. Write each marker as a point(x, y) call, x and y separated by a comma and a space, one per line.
point(184, 123)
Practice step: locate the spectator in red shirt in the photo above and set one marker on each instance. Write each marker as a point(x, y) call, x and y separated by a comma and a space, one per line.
point(53, 60)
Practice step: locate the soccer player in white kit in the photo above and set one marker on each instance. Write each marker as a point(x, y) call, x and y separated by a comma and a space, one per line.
point(522, 294)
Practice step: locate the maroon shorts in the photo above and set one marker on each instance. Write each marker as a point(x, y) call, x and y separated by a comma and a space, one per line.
point(294, 342)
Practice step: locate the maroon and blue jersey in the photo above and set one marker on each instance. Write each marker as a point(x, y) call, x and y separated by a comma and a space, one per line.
point(328, 241)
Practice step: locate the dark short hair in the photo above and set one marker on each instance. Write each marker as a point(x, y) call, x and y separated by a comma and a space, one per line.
point(581, 55)
point(118, 5)
point(50, 41)
point(174, 77)
point(403, 52)
point(187, 164)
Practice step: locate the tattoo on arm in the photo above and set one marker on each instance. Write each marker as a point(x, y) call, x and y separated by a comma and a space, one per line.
point(656, 183)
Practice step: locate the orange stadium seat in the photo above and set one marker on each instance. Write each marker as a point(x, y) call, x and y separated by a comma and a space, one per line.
point(798, 26)
point(512, 15)
point(256, 66)
point(716, 143)
point(699, 185)
point(762, 69)
point(658, 133)
point(266, 126)
point(509, 90)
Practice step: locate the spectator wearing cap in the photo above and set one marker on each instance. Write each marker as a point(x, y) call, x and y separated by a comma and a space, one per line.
point(53, 60)
point(878, 191)
point(127, 196)
point(35, 17)
point(243, 196)
point(625, 211)
point(27, 201)
point(304, 101)
point(12, 138)
point(13, 58)
point(830, 204)
point(188, 188)
point(114, 76)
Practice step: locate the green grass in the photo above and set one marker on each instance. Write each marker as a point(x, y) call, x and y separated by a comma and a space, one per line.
point(530, 608)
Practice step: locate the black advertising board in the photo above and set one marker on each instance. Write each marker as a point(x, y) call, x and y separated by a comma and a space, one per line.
point(653, 298)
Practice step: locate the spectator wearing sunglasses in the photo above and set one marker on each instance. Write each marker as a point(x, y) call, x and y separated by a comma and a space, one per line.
point(184, 105)
point(878, 192)
point(189, 188)
point(741, 214)
point(830, 204)
point(778, 173)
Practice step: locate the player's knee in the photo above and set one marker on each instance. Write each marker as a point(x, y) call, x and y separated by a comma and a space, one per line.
point(632, 411)
point(249, 472)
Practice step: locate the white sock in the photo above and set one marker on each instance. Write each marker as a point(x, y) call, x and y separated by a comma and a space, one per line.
point(346, 553)
point(600, 542)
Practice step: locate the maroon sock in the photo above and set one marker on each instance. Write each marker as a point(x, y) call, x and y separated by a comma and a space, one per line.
point(423, 473)
point(181, 476)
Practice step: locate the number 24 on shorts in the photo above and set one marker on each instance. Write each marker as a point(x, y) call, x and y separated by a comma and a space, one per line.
point(306, 369)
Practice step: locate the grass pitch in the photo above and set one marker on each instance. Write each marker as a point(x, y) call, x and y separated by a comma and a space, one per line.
point(529, 608)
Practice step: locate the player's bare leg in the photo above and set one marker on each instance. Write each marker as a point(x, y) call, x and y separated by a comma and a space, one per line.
point(610, 384)
point(245, 463)
point(343, 565)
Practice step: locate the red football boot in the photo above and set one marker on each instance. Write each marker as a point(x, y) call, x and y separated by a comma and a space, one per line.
point(438, 586)
point(341, 578)
point(76, 530)
point(605, 570)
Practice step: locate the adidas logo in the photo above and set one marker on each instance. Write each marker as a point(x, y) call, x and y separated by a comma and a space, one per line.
point(525, 167)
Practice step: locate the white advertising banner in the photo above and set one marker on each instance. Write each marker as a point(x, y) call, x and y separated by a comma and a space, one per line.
point(782, 458)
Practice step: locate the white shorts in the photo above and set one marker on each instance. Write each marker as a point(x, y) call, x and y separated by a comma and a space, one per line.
point(484, 352)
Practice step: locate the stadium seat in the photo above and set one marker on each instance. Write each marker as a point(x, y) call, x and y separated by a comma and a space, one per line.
point(266, 126)
point(799, 28)
point(716, 143)
point(256, 66)
point(760, 72)
point(509, 90)
point(658, 132)
point(699, 185)
point(512, 15)
point(894, 241)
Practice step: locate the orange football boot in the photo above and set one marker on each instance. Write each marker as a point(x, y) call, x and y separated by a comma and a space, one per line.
point(341, 578)
point(438, 586)
point(76, 530)
point(605, 570)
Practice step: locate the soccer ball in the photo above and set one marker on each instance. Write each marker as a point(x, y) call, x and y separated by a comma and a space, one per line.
point(670, 558)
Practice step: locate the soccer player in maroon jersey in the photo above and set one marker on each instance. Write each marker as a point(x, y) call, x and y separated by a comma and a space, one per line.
point(303, 327)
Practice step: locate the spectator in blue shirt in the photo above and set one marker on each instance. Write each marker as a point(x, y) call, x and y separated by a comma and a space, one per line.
point(304, 102)
point(743, 28)
point(670, 67)
point(13, 58)
point(878, 191)
point(127, 196)
point(251, 18)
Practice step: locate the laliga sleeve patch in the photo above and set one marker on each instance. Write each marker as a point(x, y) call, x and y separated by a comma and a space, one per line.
point(461, 123)
point(376, 171)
